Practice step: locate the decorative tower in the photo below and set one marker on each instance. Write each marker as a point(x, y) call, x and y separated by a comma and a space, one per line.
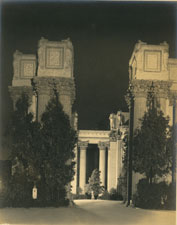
point(39, 76)
point(55, 70)
point(149, 66)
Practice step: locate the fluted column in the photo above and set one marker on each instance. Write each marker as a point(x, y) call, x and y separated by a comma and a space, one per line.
point(102, 161)
point(82, 173)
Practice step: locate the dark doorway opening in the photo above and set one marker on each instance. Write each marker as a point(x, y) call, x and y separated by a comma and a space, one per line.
point(92, 160)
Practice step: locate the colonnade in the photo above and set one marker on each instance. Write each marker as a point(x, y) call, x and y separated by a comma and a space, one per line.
point(83, 158)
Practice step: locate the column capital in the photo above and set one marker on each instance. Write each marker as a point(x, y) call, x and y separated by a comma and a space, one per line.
point(43, 85)
point(139, 88)
point(173, 98)
point(83, 144)
point(47, 85)
point(103, 145)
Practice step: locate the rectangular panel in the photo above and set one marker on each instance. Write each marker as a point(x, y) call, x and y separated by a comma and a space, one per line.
point(54, 57)
point(27, 68)
point(152, 61)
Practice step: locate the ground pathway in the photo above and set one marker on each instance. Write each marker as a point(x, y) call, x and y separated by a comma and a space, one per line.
point(87, 212)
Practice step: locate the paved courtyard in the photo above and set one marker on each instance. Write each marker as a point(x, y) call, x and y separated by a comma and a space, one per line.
point(88, 212)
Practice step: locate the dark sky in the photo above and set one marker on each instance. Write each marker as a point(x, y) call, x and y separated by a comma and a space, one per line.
point(103, 35)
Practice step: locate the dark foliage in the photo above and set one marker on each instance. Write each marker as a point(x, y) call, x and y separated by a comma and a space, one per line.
point(95, 183)
point(114, 195)
point(59, 140)
point(152, 153)
point(154, 196)
point(41, 154)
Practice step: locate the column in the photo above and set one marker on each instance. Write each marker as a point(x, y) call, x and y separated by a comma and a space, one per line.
point(173, 103)
point(74, 181)
point(82, 171)
point(43, 100)
point(43, 90)
point(119, 158)
point(112, 161)
point(102, 161)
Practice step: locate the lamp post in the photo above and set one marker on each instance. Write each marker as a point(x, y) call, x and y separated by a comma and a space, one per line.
point(174, 142)
point(130, 99)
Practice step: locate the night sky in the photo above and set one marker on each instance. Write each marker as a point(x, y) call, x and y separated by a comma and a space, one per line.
point(103, 35)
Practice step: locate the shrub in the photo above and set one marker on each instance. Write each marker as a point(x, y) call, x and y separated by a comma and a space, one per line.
point(151, 196)
point(95, 184)
point(170, 202)
point(79, 196)
point(114, 195)
point(122, 187)
point(105, 195)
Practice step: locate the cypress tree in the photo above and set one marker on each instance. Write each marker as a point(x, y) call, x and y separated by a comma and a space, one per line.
point(59, 140)
point(152, 152)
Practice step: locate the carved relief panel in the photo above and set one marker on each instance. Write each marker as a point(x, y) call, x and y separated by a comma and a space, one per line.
point(24, 65)
point(24, 68)
point(152, 61)
point(55, 58)
point(27, 68)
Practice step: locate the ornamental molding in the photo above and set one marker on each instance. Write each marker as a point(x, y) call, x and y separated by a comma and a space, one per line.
point(47, 85)
point(114, 135)
point(140, 88)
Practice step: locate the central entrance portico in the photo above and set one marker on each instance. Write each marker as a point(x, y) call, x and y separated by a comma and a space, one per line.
point(86, 137)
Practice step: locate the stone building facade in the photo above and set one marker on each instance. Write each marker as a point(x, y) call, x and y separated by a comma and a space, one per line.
point(53, 68)
point(110, 146)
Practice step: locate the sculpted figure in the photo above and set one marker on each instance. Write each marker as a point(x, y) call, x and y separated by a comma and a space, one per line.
point(112, 121)
point(119, 118)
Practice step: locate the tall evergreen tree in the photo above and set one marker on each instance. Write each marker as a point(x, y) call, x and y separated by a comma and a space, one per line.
point(24, 144)
point(41, 154)
point(95, 183)
point(152, 153)
point(59, 140)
